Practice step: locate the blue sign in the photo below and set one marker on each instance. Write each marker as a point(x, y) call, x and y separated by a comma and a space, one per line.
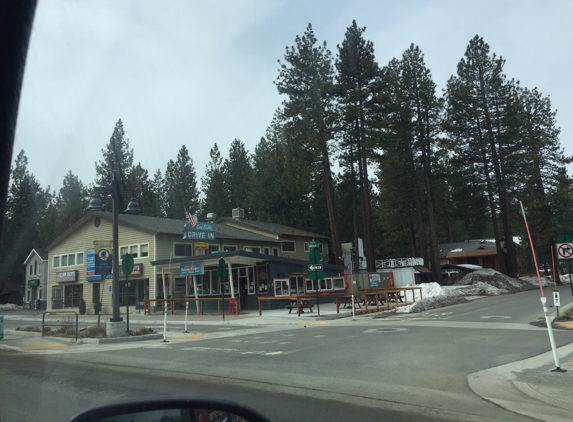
point(103, 256)
point(191, 269)
point(90, 270)
point(201, 231)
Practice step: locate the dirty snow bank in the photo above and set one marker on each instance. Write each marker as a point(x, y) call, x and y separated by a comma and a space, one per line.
point(10, 307)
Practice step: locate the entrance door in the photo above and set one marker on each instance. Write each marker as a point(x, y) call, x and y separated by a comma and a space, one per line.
point(244, 293)
point(57, 298)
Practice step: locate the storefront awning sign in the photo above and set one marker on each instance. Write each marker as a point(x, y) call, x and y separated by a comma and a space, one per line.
point(65, 276)
point(33, 283)
point(137, 271)
point(191, 269)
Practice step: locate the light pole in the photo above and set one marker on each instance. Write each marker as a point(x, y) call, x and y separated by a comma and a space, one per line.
point(132, 208)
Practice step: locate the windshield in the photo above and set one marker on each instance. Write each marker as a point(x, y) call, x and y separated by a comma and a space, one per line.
point(322, 210)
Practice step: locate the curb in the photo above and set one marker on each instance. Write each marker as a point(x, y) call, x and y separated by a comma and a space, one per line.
point(113, 340)
point(500, 386)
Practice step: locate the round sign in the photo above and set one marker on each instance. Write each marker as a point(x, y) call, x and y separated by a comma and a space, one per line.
point(565, 251)
point(127, 263)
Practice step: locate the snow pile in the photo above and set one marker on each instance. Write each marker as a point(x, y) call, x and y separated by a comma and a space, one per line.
point(482, 289)
point(434, 296)
point(545, 281)
point(493, 278)
point(10, 307)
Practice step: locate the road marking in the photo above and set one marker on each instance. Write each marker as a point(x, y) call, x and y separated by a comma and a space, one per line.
point(43, 347)
point(495, 317)
point(313, 323)
point(320, 336)
point(384, 330)
point(188, 336)
point(219, 349)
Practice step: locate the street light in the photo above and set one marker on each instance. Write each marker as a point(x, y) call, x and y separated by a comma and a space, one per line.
point(132, 208)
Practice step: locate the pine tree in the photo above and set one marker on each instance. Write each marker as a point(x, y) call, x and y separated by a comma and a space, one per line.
point(307, 79)
point(357, 80)
point(181, 186)
point(118, 159)
point(216, 197)
point(25, 212)
point(238, 171)
point(71, 202)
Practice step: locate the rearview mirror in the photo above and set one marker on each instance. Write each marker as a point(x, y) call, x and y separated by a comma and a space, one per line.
point(170, 410)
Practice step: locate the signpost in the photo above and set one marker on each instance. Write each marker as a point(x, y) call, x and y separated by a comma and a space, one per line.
point(315, 270)
point(221, 273)
point(565, 252)
point(127, 267)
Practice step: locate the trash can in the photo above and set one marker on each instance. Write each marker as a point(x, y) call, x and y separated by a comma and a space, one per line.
point(38, 304)
point(1, 327)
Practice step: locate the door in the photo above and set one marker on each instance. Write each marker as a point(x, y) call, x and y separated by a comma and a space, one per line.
point(243, 293)
point(57, 298)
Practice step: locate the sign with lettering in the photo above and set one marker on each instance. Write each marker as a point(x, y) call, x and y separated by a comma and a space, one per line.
point(201, 245)
point(65, 276)
point(137, 271)
point(191, 269)
point(196, 235)
point(103, 256)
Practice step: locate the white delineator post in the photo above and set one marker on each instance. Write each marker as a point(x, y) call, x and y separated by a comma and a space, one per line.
point(543, 298)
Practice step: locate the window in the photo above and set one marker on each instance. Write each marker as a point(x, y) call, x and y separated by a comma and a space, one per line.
point(30, 269)
point(35, 267)
point(307, 249)
point(275, 251)
point(228, 248)
point(67, 260)
point(213, 248)
point(266, 251)
point(254, 249)
point(281, 287)
point(288, 247)
point(182, 249)
point(137, 251)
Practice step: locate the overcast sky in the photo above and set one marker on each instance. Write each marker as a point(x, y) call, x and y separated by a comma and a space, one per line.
point(198, 73)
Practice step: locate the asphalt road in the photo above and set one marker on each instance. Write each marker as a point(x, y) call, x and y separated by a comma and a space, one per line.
point(410, 367)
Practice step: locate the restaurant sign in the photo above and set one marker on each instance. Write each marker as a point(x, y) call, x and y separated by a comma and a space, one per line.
point(137, 271)
point(191, 269)
point(65, 276)
point(34, 283)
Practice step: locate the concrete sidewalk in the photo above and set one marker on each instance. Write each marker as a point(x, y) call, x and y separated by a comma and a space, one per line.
point(531, 387)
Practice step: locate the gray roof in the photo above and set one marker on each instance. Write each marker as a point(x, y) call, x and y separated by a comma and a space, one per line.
point(468, 245)
point(169, 226)
point(272, 228)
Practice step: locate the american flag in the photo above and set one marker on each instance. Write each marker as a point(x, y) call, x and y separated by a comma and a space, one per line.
point(191, 218)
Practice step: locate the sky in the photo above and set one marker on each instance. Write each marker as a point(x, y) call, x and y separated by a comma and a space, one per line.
point(198, 73)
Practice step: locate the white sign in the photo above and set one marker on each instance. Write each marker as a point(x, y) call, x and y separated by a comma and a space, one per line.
point(556, 298)
point(315, 267)
point(565, 250)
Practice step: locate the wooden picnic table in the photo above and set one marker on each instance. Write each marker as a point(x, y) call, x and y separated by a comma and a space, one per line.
point(298, 302)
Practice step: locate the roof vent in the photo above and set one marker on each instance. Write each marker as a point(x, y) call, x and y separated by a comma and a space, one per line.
point(211, 217)
point(238, 213)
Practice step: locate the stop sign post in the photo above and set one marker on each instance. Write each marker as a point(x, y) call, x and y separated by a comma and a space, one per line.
point(127, 267)
point(222, 272)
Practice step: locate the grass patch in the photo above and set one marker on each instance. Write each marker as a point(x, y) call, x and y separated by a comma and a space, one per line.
point(566, 316)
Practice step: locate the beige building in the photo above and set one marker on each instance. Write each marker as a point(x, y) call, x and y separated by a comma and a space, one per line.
point(150, 240)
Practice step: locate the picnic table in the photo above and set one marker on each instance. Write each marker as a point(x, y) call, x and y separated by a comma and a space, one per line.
point(299, 304)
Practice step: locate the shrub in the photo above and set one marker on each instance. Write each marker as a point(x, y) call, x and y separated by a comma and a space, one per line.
point(82, 306)
point(144, 331)
point(70, 332)
point(94, 332)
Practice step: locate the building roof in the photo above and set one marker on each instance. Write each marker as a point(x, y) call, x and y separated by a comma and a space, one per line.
point(472, 253)
point(171, 226)
point(468, 245)
point(41, 252)
point(272, 229)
